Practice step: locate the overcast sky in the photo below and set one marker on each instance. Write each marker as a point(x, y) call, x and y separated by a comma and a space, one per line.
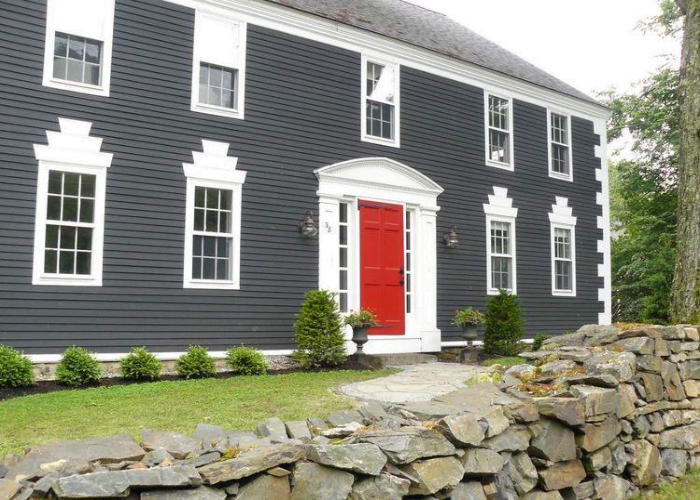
point(592, 45)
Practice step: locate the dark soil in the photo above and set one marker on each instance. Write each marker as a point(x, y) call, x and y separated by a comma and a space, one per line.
point(47, 386)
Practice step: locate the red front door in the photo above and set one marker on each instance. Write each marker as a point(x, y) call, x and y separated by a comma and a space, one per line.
point(381, 265)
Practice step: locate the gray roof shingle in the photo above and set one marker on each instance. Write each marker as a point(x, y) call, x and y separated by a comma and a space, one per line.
point(424, 28)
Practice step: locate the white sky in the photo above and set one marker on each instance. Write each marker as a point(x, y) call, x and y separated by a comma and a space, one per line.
point(592, 45)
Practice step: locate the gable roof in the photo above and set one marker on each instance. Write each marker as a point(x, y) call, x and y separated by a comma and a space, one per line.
point(431, 30)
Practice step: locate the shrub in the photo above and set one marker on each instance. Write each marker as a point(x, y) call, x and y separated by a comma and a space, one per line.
point(246, 361)
point(504, 325)
point(319, 336)
point(140, 365)
point(195, 363)
point(16, 370)
point(539, 341)
point(78, 368)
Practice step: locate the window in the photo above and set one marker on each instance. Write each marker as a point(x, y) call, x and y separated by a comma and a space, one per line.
point(78, 52)
point(344, 259)
point(380, 91)
point(501, 256)
point(560, 162)
point(218, 72)
point(563, 236)
point(499, 125)
point(408, 273)
point(69, 229)
point(213, 221)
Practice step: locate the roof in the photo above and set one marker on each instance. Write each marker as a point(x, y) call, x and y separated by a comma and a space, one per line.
point(431, 30)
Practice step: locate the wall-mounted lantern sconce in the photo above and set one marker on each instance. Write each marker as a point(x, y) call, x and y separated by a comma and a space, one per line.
point(307, 226)
point(451, 240)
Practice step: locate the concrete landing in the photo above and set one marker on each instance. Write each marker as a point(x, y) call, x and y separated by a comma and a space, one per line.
point(422, 382)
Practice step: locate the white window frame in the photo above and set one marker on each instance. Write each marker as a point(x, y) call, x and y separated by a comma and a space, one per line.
point(562, 217)
point(396, 67)
point(238, 111)
point(213, 168)
point(550, 142)
point(107, 40)
point(500, 209)
point(487, 127)
point(71, 150)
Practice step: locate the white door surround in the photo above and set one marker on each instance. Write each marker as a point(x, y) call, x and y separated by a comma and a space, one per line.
point(383, 180)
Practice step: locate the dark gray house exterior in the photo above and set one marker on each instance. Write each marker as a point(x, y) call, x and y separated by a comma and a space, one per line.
point(157, 157)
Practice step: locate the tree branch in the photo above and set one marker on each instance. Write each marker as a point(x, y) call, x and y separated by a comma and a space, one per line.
point(682, 6)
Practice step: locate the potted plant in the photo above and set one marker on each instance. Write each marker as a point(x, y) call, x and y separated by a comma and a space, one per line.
point(361, 322)
point(468, 320)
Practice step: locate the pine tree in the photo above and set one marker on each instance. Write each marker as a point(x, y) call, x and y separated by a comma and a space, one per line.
point(504, 325)
point(319, 335)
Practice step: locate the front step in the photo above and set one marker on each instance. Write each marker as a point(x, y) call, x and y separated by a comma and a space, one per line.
point(387, 360)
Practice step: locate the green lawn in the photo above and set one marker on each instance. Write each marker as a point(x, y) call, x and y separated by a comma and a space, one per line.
point(687, 488)
point(507, 362)
point(233, 403)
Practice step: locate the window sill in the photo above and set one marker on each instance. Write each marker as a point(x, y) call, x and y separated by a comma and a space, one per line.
point(58, 280)
point(502, 166)
point(561, 177)
point(563, 293)
point(218, 111)
point(494, 291)
point(212, 285)
point(77, 87)
point(392, 143)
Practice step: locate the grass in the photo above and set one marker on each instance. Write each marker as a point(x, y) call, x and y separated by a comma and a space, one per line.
point(234, 403)
point(686, 488)
point(507, 362)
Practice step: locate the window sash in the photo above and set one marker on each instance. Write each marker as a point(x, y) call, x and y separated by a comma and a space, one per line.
point(499, 130)
point(199, 259)
point(499, 113)
point(210, 89)
point(344, 258)
point(563, 273)
point(501, 255)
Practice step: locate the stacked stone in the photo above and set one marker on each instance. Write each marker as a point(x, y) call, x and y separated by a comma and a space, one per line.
point(598, 414)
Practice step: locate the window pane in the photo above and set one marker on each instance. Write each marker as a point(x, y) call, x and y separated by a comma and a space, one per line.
point(83, 263)
point(84, 238)
point(343, 212)
point(67, 240)
point(51, 261)
point(212, 222)
point(71, 184)
point(92, 52)
point(343, 257)
point(92, 74)
point(224, 220)
point(59, 68)
point(55, 182)
point(204, 74)
point(87, 209)
point(53, 208)
point(226, 199)
point(66, 263)
point(343, 280)
point(60, 47)
point(214, 96)
point(197, 246)
point(196, 268)
point(222, 245)
point(227, 99)
point(215, 76)
point(222, 269)
point(199, 220)
point(499, 146)
point(199, 194)
point(343, 235)
point(76, 48)
point(75, 71)
point(51, 236)
point(70, 209)
point(209, 246)
point(87, 186)
point(212, 198)
point(203, 93)
point(209, 269)
point(343, 299)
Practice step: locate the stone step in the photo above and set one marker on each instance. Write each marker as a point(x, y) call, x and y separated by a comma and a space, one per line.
point(407, 359)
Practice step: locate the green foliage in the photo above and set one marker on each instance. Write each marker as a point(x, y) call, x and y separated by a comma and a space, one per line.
point(246, 361)
point(78, 368)
point(539, 340)
point(140, 365)
point(669, 21)
point(16, 370)
point(504, 325)
point(361, 319)
point(506, 362)
point(195, 363)
point(468, 317)
point(644, 198)
point(319, 337)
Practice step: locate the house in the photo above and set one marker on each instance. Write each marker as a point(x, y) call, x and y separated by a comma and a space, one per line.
point(165, 166)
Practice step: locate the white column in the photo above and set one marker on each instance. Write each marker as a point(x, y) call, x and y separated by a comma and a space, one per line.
point(426, 278)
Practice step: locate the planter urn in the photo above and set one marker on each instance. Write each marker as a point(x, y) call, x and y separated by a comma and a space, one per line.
point(469, 333)
point(360, 337)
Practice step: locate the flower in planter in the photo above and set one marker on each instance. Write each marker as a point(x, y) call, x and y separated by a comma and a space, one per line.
point(364, 318)
point(468, 317)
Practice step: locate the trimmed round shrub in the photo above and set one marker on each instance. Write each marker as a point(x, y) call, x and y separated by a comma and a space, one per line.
point(140, 364)
point(319, 335)
point(195, 363)
point(78, 368)
point(246, 361)
point(16, 370)
point(504, 325)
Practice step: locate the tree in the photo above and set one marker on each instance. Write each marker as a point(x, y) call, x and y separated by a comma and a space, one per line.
point(319, 335)
point(685, 296)
point(504, 325)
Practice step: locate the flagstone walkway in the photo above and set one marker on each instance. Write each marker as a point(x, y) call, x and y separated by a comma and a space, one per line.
point(416, 383)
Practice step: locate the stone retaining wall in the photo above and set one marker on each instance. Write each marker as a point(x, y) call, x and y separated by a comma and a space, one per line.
point(598, 414)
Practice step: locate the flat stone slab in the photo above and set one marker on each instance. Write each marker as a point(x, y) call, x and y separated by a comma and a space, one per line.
point(416, 383)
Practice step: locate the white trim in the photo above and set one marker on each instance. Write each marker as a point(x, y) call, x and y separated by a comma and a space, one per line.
point(395, 102)
point(500, 209)
point(510, 166)
point(603, 199)
point(70, 150)
point(388, 181)
point(312, 27)
point(462, 343)
point(203, 13)
point(84, 27)
point(561, 217)
point(162, 356)
point(213, 168)
point(570, 145)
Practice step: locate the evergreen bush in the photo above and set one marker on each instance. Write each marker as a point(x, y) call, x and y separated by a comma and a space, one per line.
point(504, 325)
point(78, 368)
point(246, 361)
point(16, 370)
point(319, 334)
point(140, 365)
point(539, 341)
point(195, 363)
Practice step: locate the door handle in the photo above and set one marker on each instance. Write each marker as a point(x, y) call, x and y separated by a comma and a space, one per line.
point(401, 271)
point(401, 282)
